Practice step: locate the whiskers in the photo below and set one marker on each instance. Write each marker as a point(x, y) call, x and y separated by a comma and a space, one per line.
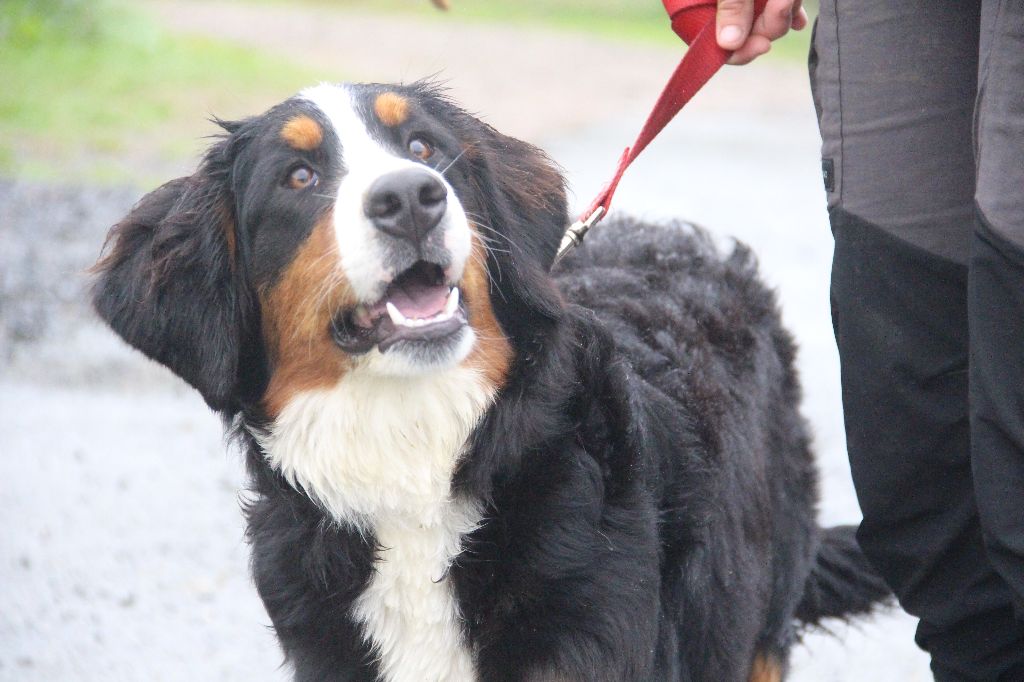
point(452, 163)
point(477, 256)
point(492, 238)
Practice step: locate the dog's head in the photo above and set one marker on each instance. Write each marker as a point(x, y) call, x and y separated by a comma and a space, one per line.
point(362, 227)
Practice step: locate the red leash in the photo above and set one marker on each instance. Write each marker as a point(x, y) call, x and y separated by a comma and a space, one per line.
point(694, 22)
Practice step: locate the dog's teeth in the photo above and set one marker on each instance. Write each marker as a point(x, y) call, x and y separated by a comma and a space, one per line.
point(400, 320)
point(453, 302)
point(396, 315)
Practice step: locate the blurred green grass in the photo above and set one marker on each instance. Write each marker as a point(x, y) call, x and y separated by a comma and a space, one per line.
point(88, 83)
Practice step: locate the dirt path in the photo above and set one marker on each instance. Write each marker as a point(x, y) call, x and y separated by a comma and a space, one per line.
point(534, 84)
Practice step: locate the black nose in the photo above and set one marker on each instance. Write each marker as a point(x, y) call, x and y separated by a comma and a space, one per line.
point(407, 204)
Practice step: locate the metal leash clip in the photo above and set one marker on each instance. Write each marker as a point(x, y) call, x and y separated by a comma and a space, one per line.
point(573, 236)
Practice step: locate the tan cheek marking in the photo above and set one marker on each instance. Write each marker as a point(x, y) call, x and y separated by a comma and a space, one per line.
point(391, 109)
point(302, 133)
point(766, 668)
point(493, 353)
point(297, 315)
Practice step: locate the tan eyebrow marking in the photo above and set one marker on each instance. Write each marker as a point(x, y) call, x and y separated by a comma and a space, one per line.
point(302, 132)
point(392, 109)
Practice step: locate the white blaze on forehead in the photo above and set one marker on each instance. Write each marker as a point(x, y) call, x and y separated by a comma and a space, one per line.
point(363, 155)
point(366, 159)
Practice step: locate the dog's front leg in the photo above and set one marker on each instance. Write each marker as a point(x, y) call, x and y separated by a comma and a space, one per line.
point(562, 581)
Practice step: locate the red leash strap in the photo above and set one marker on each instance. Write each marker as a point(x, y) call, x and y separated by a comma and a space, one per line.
point(694, 22)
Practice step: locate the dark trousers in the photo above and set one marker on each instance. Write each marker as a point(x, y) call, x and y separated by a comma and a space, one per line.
point(921, 110)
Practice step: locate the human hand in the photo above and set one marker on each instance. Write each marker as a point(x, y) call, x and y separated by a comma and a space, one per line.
point(737, 30)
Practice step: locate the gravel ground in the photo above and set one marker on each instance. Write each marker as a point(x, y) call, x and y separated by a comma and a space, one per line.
point(122, 555)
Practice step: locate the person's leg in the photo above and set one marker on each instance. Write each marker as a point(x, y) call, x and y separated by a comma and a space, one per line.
point(996, 294)
point(894, 86)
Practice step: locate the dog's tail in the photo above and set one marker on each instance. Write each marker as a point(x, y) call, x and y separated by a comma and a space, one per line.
point(842, 582)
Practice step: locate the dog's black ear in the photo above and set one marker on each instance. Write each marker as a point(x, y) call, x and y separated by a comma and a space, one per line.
point(526, 205)
point(534, 191)
point(167, 282)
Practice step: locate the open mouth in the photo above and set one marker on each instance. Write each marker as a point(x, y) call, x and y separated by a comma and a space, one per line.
point(418, 307)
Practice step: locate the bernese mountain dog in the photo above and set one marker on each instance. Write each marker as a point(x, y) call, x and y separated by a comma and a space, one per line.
point(463, 465)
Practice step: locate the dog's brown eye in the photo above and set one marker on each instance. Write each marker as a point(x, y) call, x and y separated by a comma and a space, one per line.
point(302, 177)
point(420, 148)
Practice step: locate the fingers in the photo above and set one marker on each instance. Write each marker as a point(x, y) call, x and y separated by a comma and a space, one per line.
point(735, 32)
point(800, 19)
point(751, 50)
point(776, 19)
point(733, 22)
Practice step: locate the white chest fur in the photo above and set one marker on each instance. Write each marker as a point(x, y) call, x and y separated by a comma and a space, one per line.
point(378, 453)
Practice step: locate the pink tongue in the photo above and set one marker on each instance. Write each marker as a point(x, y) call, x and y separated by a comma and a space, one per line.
point(418, 301)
